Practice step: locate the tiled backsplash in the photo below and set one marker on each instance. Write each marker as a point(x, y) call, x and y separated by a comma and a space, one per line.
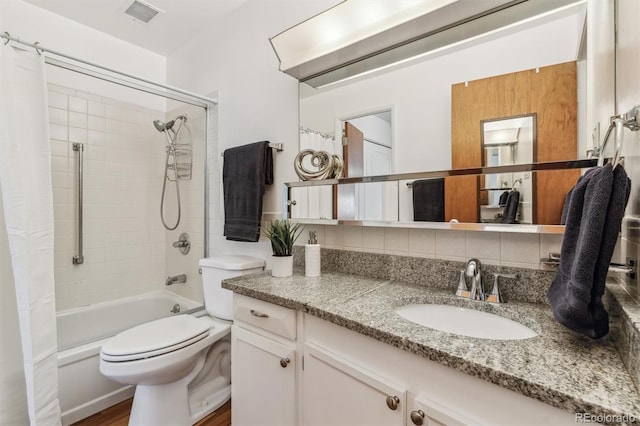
point(492, 248)
point(528, 286)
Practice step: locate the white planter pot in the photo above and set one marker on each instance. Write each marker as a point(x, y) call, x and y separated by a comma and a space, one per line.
point(281, 266)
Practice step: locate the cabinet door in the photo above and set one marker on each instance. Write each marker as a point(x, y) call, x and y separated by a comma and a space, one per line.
point(424, 411)
point(263, 380)
point(337, 392)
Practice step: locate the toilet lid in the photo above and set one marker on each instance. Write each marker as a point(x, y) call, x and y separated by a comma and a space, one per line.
point(155, 338)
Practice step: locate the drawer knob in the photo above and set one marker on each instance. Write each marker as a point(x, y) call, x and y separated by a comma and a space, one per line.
point(284, 362)
point(392, 402)
point(417, 417)
point(258, 314)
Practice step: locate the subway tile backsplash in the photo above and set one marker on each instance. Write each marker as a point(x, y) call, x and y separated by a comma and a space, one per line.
point(492, 248)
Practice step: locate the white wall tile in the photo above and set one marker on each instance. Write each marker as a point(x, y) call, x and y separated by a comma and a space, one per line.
point(484, 246)
point(77, 119)
point(373, 239)
point(352, 237)
point(520, 249)
point(77, 104)
point(333, 236)
point(97, 109)
point(396, 241)
point(58, 132)
point(118, 208)
point(58, 100)
point(78, 135)
point(451, 244)
point(422, 241)
point(58, 116)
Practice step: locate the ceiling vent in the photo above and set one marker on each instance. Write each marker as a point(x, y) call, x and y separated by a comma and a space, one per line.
point(141, 11)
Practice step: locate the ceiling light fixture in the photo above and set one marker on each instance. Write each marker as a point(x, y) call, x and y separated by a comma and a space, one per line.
point(142, 11)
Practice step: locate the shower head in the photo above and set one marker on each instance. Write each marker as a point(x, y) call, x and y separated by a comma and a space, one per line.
point(163, 127)
point(160, 126)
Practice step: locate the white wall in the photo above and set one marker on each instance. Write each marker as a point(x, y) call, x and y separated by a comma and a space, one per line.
point(32, 24)
point(256, 101)
point(421, 94)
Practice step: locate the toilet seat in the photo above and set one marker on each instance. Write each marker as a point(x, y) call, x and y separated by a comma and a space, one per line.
point(155, 338)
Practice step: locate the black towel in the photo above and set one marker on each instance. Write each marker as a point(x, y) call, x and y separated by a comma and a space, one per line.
point(428, 200)
point(503, 199)
point(511, 208)
point(246, 170)
point(617, 205)
point(593, 219)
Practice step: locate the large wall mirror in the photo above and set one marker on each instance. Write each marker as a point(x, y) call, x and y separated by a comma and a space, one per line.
point(435, 110)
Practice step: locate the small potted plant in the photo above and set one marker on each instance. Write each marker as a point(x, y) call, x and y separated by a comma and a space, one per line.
point(282, 234)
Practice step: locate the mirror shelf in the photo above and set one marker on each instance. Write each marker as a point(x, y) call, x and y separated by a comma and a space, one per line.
point(515, 168)
point(406, 178)
point(486, 227)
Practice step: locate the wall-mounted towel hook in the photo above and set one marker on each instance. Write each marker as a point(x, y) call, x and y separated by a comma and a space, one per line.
point(516, 184)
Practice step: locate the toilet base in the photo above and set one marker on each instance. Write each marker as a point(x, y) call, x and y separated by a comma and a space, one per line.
point(202, 406)
point(161, 405)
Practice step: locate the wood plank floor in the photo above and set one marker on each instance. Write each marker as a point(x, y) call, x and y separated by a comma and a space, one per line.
point(118, 415)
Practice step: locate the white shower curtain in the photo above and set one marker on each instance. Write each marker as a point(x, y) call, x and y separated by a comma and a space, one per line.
point(315, 202)
point(25, 178)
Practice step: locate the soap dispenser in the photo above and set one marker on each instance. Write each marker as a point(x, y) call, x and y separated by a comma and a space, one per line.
point(312, 256)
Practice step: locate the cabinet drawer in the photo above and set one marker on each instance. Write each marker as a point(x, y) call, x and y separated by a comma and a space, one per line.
point(270, 317)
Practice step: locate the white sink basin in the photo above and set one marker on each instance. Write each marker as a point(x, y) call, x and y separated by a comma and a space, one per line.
point(465, 322)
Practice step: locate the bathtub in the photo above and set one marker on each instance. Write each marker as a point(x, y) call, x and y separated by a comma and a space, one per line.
point(83, 391)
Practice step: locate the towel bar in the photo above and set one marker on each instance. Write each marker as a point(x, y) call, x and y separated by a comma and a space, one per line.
point(279, 147)
point(630, 268)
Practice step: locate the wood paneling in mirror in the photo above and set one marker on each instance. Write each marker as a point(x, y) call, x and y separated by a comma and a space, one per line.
point(551, 92)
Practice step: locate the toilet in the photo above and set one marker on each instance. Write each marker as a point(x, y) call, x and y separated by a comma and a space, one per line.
point(180, 365)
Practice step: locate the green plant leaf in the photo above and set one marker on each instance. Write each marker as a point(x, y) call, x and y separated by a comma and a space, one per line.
point(283, 234)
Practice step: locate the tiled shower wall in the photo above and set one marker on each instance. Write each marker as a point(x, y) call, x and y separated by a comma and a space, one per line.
point(124, 241)
point(192, 201)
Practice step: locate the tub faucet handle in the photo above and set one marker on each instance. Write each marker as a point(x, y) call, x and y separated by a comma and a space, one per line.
point(182, 278)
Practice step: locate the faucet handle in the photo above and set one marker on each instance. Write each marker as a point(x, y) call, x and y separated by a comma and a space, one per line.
point(463, 290)
point(494, 296)
point(501, 275)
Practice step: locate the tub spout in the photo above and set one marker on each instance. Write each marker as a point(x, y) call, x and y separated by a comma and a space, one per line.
point(182, 278)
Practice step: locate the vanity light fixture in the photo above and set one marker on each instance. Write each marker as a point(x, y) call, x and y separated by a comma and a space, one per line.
point(142, 11)
point(360, 37)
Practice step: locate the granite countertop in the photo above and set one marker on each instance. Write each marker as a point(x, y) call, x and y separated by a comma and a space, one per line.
point(557, 367)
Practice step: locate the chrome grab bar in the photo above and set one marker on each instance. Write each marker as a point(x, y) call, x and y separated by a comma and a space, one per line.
point(78, 147)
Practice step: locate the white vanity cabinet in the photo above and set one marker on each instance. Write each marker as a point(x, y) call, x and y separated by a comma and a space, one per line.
point(338, 392)
point(263, 365)
point(290, 368)
point(444, 395)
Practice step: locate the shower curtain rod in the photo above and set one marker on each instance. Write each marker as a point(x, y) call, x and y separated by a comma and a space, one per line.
point(41, 49)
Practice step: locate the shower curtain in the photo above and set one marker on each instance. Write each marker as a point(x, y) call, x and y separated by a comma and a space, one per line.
point(315, 202)
point(27, 200)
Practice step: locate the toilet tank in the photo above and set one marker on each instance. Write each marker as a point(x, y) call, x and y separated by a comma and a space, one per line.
point(217, 300)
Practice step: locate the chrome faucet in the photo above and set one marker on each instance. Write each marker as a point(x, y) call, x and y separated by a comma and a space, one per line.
point(182, 278)
point(473, 271)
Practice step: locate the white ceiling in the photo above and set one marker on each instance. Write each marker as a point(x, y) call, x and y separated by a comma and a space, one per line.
point(164, 34)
